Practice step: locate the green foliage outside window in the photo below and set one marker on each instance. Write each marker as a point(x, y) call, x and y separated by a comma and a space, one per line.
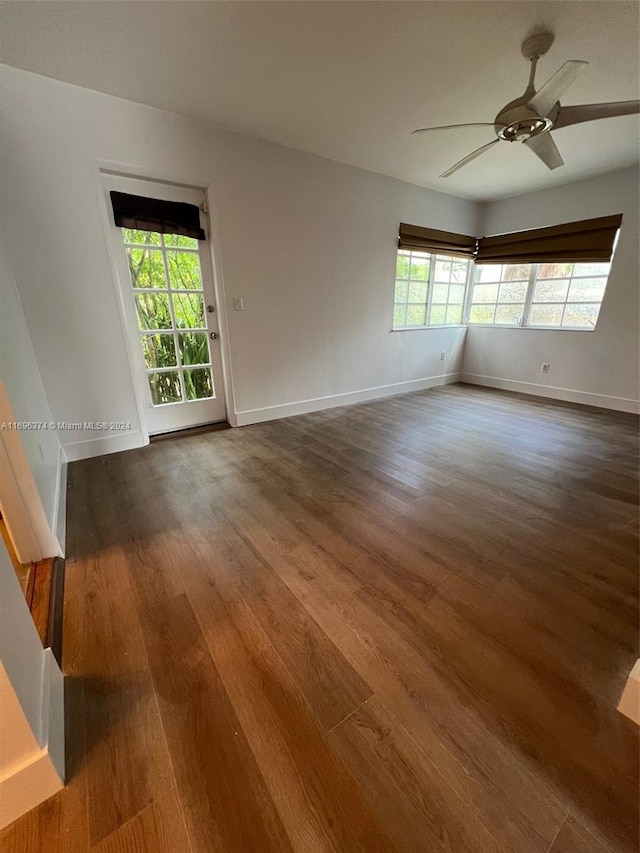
point(160, 308)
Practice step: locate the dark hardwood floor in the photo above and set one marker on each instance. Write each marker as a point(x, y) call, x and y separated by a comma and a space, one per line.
point(399, 626)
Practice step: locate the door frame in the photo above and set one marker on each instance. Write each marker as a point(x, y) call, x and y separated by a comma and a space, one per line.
point(108, 168)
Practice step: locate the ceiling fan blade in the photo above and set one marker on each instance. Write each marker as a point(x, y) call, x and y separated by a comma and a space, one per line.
point(452, 126)
point(590, 112)
point(555, 87)
point(544, 147)
point(468, 158)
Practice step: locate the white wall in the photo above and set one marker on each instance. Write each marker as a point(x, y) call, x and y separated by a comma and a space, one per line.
point(308, 243)
point(31, 453)
point(600, 367)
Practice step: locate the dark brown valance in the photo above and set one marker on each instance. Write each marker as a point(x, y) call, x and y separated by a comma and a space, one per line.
point(152, 214)
point(573, 242)
point(437, 242)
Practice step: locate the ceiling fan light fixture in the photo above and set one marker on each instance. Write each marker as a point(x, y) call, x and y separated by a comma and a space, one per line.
point(520, 131)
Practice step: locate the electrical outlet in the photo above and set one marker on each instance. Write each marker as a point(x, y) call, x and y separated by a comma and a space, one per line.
point(545, 367)
point(238, 303)
point(442, 354)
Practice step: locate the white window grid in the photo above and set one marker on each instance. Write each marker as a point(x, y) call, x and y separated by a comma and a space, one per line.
point(442, 275)
point(175, 331)
point(515, 303)
point(524, 318)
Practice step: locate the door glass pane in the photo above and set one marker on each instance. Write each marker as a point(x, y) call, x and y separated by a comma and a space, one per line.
point(165, 387)
point(188, 309)
point(133, 235)
point(159, 350)
point(146, 268)
point(184, 270)
point(198, 383)
point(178, 241)
point(153, 310)
point(194, 347)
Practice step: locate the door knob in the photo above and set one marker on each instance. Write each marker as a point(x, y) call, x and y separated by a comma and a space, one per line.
point(214, 336)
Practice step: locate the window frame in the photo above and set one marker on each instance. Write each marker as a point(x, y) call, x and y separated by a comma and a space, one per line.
point(430, 285)
point(469, 284)
point(526, 312)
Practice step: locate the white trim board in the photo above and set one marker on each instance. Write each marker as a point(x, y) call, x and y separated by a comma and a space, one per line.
point(89, 447)
point(303, 407)
point(570, 395)
point(59, 520)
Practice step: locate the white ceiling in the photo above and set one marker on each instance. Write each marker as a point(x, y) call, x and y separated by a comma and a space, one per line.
point(350, 80)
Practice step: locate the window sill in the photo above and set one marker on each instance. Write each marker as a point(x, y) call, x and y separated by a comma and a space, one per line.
point(430, 328)
point(529, 328)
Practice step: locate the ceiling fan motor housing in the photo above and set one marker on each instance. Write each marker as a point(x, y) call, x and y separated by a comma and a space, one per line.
point(519, 123)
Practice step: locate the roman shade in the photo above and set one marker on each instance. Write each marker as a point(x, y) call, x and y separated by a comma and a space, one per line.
point(434, 241)
point(152, 214)
point(573, 242)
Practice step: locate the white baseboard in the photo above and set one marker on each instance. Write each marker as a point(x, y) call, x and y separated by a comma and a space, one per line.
point(102, 445)
point(303, 407)
point(570, 395)
point(30, 784)
point(40, 774)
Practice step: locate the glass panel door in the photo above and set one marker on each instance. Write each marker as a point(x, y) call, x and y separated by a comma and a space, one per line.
point(171, 318)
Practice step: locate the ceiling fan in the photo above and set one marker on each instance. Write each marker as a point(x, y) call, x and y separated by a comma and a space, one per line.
point(529, 118)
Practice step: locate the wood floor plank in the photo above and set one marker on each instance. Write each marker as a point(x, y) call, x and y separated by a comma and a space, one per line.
point(320, 803)
point(226, 804)
point(467, 556)
point(575, 838)
point(424, 811)
point(157, 829)
point(516, 807)
point(331, 686)
point(41, 596)
point(527, 699)
point(127, 758)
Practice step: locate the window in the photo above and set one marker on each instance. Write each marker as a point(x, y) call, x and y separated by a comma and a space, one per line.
point(430, 290)
point(550, 296)
point(568, 296)
point(499, 294)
